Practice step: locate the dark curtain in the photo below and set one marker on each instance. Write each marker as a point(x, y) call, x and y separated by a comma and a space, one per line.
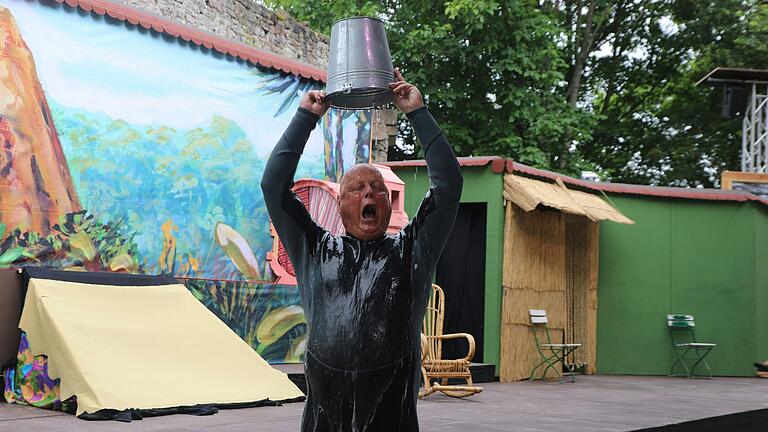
point(461, 275)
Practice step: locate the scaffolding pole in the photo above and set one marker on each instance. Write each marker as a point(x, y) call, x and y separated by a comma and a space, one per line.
point(754, 131)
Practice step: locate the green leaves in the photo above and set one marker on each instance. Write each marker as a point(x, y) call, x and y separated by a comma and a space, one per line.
point(570, 85)
point(10, 256)
point(238, 250)
point(81, 245)
point(77, 240)
point(277, 322)
point(473, 12)
point(321, 14)
point(655, 125)
point(490, 79)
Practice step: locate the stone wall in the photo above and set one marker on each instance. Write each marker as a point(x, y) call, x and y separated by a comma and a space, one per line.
point(244, 21)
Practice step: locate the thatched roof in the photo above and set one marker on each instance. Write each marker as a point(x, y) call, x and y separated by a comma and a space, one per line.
point(528, 193)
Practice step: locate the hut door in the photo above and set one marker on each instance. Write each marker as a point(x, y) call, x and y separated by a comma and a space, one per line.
point(461, 274)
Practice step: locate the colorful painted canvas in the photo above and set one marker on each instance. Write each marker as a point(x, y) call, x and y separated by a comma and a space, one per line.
point(123, 149)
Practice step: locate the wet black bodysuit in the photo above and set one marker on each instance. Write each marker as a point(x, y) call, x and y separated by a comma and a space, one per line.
point(364, 300)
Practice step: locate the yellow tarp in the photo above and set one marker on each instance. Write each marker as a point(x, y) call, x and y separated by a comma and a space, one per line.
point(528, 193)
point(144, 347)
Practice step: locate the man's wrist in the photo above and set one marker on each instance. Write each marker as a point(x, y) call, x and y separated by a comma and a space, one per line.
point(414, 112)
point(303, 111)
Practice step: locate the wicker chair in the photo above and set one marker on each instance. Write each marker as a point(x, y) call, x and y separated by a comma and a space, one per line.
point(433, 366)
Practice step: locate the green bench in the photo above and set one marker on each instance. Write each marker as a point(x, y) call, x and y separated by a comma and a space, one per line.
point(687, 351)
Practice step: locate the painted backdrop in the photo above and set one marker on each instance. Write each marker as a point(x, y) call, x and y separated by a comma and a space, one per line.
point(127, 150)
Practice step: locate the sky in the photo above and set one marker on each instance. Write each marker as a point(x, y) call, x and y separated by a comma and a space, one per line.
point(143, 78)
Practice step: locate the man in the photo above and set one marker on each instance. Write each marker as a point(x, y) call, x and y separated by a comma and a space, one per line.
point(364, 293)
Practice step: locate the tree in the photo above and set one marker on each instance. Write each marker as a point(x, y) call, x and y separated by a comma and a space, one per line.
point(494, 77)
point(490, 71)
point(654, 126)
point(321, 14)
point(573, 84)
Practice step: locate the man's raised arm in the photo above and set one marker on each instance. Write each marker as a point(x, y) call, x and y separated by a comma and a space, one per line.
point(434, 220)
point(444, 172)
point(287, 212)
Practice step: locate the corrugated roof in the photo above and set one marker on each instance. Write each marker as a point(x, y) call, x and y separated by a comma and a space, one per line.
point(655, 191)
point(497, 163)
point(734, 75)
point(528, 193)
point(198, 37)
point(501, 165)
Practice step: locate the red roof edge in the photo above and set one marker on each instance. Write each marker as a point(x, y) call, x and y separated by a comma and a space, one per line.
point(501, 165)
point(655, 191)
point(497, 163)
point(198, 37)
point(551, 175)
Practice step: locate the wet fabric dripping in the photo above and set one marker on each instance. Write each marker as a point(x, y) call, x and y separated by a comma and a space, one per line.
point(364, 300)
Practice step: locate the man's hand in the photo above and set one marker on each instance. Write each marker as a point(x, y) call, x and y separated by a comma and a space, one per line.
point(407, 96)
point(314, 100)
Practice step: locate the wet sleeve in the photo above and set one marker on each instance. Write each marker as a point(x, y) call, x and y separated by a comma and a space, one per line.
point(290, 217)
point(434, 219)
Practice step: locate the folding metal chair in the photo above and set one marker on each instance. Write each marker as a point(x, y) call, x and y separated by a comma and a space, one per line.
point(685, 348)
point(552, 354)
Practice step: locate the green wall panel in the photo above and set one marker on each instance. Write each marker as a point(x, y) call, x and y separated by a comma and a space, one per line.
point(633, 290)
point(761, 282)
point(681, 256)
point(713, 253)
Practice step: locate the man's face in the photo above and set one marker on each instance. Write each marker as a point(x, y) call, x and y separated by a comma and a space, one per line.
point(364, 203)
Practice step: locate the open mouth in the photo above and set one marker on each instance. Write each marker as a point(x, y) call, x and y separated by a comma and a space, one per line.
point(369, 212)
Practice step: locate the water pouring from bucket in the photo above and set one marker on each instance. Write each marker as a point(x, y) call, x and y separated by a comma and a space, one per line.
point(359, 64)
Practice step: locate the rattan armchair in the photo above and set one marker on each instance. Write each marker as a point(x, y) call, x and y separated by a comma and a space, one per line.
point(433, 366)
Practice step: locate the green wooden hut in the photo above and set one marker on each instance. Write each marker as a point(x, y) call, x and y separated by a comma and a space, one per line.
point(694, 251)
point(489, 286)
point(482, 210)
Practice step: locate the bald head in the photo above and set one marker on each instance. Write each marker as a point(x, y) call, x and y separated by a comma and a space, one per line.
point(364, 202)
point(358, 170)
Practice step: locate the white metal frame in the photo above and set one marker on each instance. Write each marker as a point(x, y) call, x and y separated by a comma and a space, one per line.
point(754, 131)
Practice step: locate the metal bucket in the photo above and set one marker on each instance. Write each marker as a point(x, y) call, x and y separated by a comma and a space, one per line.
point(359, 64)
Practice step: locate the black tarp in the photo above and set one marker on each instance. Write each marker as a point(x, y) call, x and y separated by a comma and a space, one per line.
point(96, 278)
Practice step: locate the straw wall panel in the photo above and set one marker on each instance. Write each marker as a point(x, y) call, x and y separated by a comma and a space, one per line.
point(550, 262)
point(523, 299)
point(524, 352)
point(534, 278)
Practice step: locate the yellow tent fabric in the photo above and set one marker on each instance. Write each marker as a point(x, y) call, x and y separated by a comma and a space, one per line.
point(121, 347)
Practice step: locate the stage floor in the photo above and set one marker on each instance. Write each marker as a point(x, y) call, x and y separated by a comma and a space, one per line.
point(593, 403)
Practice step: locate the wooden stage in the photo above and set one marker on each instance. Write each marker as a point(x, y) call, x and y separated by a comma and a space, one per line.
point(592, 403)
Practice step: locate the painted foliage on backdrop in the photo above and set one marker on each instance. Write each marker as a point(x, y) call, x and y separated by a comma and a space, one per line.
point(128, 150)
